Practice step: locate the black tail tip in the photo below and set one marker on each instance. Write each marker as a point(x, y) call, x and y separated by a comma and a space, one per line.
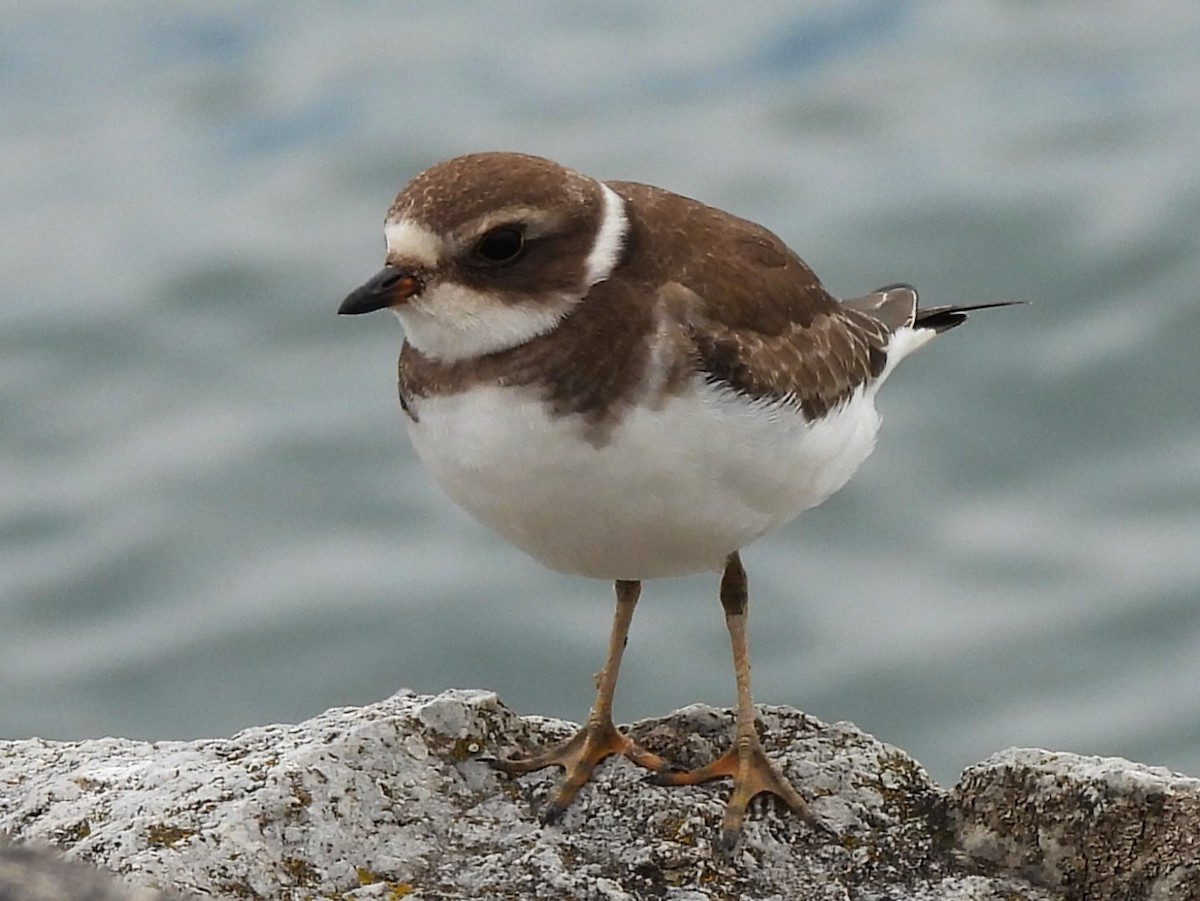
point(942, 319)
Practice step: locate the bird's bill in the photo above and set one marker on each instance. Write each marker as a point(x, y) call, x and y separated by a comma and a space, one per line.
point(388, 287)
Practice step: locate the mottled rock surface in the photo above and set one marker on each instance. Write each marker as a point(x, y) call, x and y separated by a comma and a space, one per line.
point(1091, 827)
point(396, 800)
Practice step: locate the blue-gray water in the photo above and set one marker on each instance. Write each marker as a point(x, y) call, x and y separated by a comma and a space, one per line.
point(209, 515)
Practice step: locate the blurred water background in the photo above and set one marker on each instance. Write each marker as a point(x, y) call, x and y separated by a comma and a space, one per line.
point(209, 514)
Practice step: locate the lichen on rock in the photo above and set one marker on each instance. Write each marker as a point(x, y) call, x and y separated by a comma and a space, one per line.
point(396, 800)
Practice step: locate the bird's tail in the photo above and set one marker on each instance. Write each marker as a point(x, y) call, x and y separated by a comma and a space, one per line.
point(896, 307)
point(908, 326)
point(942, 319)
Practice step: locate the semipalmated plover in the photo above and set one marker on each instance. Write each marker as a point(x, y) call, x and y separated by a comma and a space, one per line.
point(628, 384)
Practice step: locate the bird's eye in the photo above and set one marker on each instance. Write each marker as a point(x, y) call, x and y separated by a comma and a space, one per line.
point(501, 245)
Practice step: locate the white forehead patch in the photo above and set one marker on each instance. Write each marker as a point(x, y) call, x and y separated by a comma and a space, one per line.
point(607, 249)
point(408, 241)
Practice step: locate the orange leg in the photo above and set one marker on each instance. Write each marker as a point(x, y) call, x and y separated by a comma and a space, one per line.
point(598, 738)
point(745, 761)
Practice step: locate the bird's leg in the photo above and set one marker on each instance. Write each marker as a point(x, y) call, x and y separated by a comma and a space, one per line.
point(598, 738)
point(745, 762)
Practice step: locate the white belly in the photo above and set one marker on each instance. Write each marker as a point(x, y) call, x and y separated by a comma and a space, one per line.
point(673, 491)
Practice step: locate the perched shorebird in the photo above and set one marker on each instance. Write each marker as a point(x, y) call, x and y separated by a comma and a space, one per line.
point(628, 384)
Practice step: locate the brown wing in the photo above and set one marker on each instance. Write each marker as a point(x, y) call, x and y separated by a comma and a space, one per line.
point(816, 367)
point(759, 319)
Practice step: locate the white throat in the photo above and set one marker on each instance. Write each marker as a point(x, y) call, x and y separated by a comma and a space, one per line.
point(469, 323)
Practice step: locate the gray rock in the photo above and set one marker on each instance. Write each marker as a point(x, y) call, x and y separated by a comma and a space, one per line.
point(1092, 827)
point(396, 800)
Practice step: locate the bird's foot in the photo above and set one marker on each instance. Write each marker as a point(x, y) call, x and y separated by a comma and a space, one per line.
point(753, 774)
point(578, 756)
